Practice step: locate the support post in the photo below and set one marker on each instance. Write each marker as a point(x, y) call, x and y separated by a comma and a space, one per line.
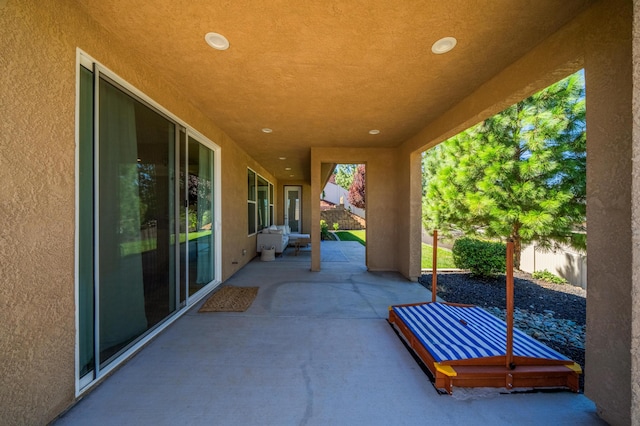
point(434, 269)
point(509, 314)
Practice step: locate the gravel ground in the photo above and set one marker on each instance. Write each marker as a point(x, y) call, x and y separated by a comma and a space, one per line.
point(566, 301)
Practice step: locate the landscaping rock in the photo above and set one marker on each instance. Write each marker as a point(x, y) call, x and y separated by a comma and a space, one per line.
point(545, 327)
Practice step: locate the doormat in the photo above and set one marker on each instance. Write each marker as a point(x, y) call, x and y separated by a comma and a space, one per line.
point(230, 299)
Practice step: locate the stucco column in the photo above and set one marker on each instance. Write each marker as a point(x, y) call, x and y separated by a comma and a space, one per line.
point(409, 200)
point(635, 290)
point(316, 169)
point(613, 208)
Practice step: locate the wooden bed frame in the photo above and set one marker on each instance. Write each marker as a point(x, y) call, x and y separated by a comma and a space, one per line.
point(502, 371)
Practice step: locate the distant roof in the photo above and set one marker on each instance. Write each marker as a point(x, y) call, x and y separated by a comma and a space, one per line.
point(326, 205)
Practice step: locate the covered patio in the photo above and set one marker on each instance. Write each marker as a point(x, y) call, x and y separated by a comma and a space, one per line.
point(302, 86)
point(313, 349)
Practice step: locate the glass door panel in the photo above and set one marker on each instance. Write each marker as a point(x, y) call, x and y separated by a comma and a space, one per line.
point(86, 325)
point(292, 208)
point(182, 223)
point(136, 219)
point(200, 214)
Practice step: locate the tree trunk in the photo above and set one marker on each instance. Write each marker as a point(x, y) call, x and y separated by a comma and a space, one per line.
point(517, 245)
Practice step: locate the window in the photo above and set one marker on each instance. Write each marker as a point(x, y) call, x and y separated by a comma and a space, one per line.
point(263, 203)
point(259, 202)
point(271, 204)
point(251, 201)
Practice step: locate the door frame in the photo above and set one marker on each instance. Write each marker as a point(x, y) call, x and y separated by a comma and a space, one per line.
point(87, 381)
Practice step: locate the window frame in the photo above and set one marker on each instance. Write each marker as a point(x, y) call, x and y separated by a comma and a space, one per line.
point(252, 202)
point(270, 207)
point(271, 204)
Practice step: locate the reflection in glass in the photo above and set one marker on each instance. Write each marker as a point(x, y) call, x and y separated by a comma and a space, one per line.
point(136, 218)
point(293, 209)
point(251, 202)
point(271, 217)
point(200, 215)
point(251, 185)
point(263, 203)
point(182, 223)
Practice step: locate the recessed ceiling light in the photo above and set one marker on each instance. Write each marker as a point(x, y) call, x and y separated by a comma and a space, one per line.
point(444, 45)
point(283, 158)
point(291, 175)
point(217, 41)
point(374, 131)
point(267, 130)
point(287, 168)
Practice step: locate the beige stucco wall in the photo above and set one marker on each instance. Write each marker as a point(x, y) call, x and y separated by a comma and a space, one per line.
point(37, 194)
point(36, 206)
point(381, 210)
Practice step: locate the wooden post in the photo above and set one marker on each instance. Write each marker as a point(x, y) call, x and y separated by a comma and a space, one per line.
point(509, 314)
point(434, 269)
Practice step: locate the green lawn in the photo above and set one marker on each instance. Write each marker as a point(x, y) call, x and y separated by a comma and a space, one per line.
point(140, 246)
point(359, 236)
point(445, 257)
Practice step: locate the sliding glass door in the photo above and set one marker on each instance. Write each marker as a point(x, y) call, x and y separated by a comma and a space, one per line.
point(146, 221)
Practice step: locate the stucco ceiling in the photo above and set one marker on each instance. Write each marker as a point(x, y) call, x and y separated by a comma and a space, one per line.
point(324, 73)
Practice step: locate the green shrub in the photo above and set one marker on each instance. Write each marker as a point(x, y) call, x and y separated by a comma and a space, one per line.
point(336, 226)
point(193, 219)
point(324, 228)
point(548, 277)
point(482, 258)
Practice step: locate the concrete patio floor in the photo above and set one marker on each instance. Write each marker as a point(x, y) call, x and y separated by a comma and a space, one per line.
point(314, 349)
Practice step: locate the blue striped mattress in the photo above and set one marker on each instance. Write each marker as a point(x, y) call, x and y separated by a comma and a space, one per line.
point(452, 333)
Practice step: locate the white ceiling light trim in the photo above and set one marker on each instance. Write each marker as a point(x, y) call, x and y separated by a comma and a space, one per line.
point(217, 41)
point(374, 131)
point(444, 45)
point(267, 130)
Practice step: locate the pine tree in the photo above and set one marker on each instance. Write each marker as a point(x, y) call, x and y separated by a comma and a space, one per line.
point(344, 175)
point(518, 175)
point(357, 188)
